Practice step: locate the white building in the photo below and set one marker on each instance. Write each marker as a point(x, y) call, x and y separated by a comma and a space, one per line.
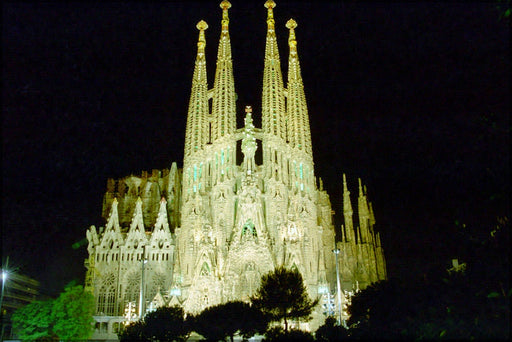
point(247, 200)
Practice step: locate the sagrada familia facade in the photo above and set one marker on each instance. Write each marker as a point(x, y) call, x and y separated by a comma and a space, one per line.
point(246, 201)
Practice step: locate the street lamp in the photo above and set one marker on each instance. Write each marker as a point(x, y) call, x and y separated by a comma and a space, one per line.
point(336, 251)
point(4, 278)
point(5, 275)
point(141, 296)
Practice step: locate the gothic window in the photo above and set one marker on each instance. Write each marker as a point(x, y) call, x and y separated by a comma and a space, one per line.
point(156, 284)
point(132, 291)
point(105, 304)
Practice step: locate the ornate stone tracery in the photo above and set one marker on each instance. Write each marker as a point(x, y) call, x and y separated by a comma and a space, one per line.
point(205, 234)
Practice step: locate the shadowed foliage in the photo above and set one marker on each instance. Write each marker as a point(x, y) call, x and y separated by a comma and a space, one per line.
point(163, 324)
point(282, 295)
point(470, 300)
point(33, 322)
point(278, 334)
point(69, 317)
point(133, 332)
point(225, 320)
point(330, 331)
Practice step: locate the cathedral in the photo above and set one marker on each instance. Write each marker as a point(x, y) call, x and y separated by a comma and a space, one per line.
point(246, 201)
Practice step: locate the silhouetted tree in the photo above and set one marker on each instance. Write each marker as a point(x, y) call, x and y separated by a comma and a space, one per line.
point(135, 331)
point(331, 331)
point(225, 320)
point(282, 295)
point(278, 334)
point(380, 311)
point(163, 324)
point(167, 324)
point(471, 302)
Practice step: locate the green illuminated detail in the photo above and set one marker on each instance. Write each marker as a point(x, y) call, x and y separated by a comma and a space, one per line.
point(249, 228)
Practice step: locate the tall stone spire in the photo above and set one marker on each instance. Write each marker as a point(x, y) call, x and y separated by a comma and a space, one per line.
point(113, 218)
point(364, 216)
point(347, 212)
point(196, 135)
point(224, 107)
point(299, 134)
point(273, 110)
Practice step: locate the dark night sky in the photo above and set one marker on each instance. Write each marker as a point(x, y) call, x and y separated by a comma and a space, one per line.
point(413, 98)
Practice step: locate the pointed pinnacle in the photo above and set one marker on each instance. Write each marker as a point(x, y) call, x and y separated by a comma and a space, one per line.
point(345, 186)
point(201, 26)
point(270, 4)
point(225, 5)
point(292, 42)
point(291, 24)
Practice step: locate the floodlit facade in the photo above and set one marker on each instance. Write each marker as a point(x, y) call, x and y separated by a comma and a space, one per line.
point(246, 201)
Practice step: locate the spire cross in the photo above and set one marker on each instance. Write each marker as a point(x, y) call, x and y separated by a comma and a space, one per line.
point(248, 109)
point(225, 5)
point(292, 42)
point(201, 26)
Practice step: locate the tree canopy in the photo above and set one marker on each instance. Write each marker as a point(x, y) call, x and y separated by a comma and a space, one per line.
point(463, 302)
point(163, 324)
point(69, 317)
point(331, 331)
point(72, 314)
point(33, 321)
point(167, 324)
point(225, 320)
point(282, 295)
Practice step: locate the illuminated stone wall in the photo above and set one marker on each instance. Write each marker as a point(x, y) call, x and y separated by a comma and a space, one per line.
point(245, 202)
